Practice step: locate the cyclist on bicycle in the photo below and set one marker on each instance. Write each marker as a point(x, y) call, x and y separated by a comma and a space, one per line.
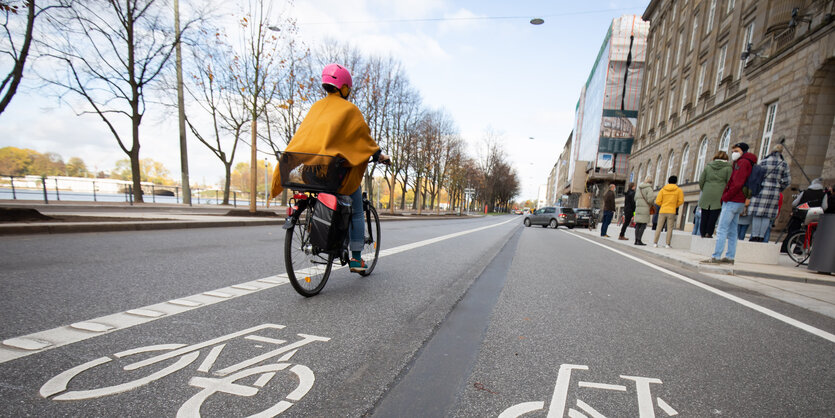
point(335, 126)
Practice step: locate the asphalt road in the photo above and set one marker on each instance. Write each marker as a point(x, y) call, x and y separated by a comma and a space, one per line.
point(469, 318)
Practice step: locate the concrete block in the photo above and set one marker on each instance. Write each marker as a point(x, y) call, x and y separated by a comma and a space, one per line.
point(746, 252)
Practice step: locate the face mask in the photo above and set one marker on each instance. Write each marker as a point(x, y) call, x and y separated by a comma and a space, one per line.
point(735, 155)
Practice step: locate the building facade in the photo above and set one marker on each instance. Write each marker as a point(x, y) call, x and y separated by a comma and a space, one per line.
point(726, 71)
point(607, 112)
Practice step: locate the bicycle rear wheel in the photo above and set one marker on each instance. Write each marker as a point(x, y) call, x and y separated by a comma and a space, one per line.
point(307, 270)
point(796, 247)
point(371, 246)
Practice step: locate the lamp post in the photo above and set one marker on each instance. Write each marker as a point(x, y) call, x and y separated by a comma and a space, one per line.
point(181, 109)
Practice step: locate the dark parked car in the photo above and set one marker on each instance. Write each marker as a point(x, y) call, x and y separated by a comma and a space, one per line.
point(551, 216)
point(585, 218)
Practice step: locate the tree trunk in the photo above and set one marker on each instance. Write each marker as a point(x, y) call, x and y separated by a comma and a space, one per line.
point(17, 71)
point(391, 193)
point(228, 182)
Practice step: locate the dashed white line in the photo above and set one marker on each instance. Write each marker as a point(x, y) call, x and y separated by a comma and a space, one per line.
point(48, 339)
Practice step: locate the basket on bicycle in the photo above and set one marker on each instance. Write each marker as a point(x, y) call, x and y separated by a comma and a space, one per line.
point(311, 172)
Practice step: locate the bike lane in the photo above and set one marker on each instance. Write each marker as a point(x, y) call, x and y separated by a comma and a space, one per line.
point(351, 342)
point(582, 331)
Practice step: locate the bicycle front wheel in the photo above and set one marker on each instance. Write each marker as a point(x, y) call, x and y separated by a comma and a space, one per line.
point(371, 246)
point(307, 269)
point(796, 247)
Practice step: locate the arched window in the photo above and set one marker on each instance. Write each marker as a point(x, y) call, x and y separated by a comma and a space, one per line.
point(725, 140)
point(640, 178)
point(658, 165)
point(700, 158)
point(670, 164)
point(685, 160)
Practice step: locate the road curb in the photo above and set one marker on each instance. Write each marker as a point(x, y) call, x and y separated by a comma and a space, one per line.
point(127, 226)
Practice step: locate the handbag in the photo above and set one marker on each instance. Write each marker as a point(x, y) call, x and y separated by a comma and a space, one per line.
point(651, 206)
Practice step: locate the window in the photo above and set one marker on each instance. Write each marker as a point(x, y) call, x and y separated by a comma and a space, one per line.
point(670, 102)
point(701, 84)
point(700, 158)
point(667, 62)
point(725, 139)
point(749, 36)
point(680, 46)
point(640, 177)
point(684, 85)
point(651, 119)
point(695, 31)
point(730, 6)
point(657, 67)
point(720, 67)
point(670, 164)
point(657, 172)
point(768, 129)
point(685, 159)
point(710, 14)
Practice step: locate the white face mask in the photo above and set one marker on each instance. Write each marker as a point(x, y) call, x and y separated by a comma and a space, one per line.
point(735, 155)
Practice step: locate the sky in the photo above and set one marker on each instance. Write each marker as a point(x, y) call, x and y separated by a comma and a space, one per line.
point(482, 61)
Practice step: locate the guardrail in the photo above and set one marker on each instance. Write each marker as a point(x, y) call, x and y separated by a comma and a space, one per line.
point(80, 189)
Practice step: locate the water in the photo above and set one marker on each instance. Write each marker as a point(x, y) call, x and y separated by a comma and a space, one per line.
point(53, 196)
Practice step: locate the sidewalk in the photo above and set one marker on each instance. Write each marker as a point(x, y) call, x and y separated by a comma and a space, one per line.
point(151, 216)
point(784, 281)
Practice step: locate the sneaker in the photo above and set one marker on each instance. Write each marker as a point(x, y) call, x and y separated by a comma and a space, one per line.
point(357, 266)
point(726, 260)
point(710, 260)
point(623, 238)
point(639, 243)
point(605, 236)
point(667, 246)
point(655, 245)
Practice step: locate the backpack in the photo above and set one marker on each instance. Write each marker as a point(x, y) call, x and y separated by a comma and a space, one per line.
point(754, 183)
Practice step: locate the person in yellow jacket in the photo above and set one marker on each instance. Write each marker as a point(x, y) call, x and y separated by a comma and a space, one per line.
point(669, 198)
point(334, 126)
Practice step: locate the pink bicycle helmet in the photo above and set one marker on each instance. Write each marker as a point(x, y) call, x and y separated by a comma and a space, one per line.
point(337, 76)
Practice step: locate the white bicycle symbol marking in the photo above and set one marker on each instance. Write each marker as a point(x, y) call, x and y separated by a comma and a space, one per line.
point(226, 379)
point(646, 407)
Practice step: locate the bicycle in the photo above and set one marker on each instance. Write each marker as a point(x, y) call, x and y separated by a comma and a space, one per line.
point(309, 266)
point(799, 244)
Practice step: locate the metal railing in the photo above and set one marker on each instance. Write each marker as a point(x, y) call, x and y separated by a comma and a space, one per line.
point(80, 189)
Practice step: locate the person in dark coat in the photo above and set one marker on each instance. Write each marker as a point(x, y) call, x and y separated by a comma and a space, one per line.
point(628, 210)
point(733, 202)
point(764, 206)
point(608, 210)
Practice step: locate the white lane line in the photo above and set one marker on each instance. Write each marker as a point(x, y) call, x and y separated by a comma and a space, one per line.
point(145, 312)
point(761, 309)
point(244, 287)
point(92, 326)
point(14, 348)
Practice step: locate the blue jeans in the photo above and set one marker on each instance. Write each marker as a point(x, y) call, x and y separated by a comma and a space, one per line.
point(728, 229)
point(759, 226)
point(743, 229)
point(697, 224)
point(607, 219)
point(357, 228)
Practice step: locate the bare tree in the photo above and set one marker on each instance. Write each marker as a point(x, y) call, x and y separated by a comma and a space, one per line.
point(9, 12)
point(113, 52)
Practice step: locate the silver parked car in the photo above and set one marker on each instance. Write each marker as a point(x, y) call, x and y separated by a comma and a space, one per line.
point(551, 216)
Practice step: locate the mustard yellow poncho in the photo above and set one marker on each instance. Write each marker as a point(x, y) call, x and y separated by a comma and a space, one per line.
point(333, 126)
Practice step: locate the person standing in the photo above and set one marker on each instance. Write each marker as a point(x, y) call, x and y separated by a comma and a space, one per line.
point(670, 198)
point(712, 182)
point(697, 220)
point(764, 205)
point(628, 210)
point(644, 199)
point(608, 210)
point(733, 202)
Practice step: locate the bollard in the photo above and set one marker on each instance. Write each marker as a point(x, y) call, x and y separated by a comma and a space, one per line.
point(14, 195)
point(216, 199)
point(57, 193)
point(43, 182)
point(235, 198)
point(130, 194)
point(198, 196)
point(94, 191)
point(153, 194)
